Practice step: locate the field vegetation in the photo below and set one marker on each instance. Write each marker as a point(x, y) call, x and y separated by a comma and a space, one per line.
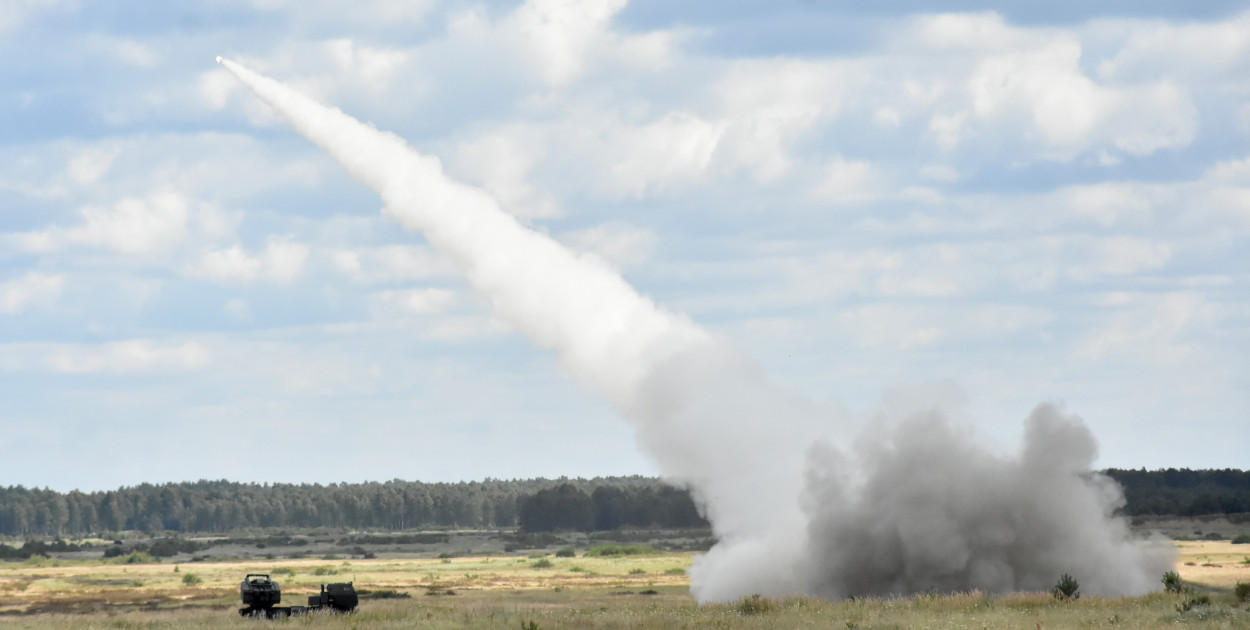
point(625, 584)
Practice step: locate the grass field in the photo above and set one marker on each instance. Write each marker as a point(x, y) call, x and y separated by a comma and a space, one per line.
point(646, 591)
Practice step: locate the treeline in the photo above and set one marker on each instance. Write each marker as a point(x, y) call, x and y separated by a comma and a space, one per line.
point(223, 506)
point(534, 504)
point(567, 507)
point(1184, 492)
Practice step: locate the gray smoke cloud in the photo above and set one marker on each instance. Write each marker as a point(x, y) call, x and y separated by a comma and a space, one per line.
point(924, 509)
point(794, 511)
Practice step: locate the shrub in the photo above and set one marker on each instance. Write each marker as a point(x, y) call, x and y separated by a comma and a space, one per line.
point(191, 579)
point(1242, 591)
point(637, 571)
point(136, 557)
point(1066, 589)
point(1172, 582)
point(603, 551)
point(282, 571)
point(675, 571)
point(1192, 603)
point(1213, 536)
point(542, 563)
point(754, 605)
point(325, 571)
point(566, 552)
point(1241, 539)
point(386, 593)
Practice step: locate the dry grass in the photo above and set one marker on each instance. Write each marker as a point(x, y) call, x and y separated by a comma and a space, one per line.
point(602, 593)
point(1220, 564)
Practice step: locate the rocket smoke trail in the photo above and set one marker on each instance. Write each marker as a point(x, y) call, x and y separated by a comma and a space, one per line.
point(920, 510)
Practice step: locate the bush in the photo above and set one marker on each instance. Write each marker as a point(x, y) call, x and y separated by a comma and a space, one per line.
point(637, 571)
point(386, 593)
point(282, 571)
point(1192, 603)
point(1066, 589)
point(754, 605)
point(542, 563)
point(325, 571)
point(1241, 539)
point(1172, 582)
point(136, 557)
point(603, 551)
point(1242, 591)
point(675, 571)
point(566, 552)
point(191, 579)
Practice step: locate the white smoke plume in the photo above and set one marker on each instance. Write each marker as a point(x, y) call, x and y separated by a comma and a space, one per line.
point(793, 513)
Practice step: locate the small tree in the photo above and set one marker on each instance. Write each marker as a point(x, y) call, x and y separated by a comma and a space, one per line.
point(1066, 588)
point(1172, 582)
point(1242, 591)
point(191, 579)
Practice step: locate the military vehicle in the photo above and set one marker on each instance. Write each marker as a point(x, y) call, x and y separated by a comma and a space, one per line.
point(340, 597)
point(262, 594)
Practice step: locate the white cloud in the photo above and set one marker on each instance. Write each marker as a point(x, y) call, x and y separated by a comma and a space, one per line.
point(768, 105)
point(216, 87)
point(14, 12)
point(392, 263)
point(33, 290)
point(1185, 50)
point(135, 355)
point(620, 244)
point(1029, 86)
point(372, 67)
point(851, 181)
point(677, 148)
point(891, 327)
point(1121, 255)
point(561, 36)
point(419, 301)
point(90, 164)
point(133, 226)
point(940, 173)
point(1154, 328)
point(1108, 203)
point(502, 162)
point(282, 261)
point(238, 310)
point(135, 53)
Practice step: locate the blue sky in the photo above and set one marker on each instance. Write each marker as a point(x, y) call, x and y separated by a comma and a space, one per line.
point(978, 206)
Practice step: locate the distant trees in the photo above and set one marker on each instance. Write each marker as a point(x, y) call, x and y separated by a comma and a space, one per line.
point(562, 507)
point(221, 506)
point(1184, 492)
point(610, 507)
point(600, 504)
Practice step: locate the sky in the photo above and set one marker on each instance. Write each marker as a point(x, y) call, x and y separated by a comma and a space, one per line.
point(973, 205)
